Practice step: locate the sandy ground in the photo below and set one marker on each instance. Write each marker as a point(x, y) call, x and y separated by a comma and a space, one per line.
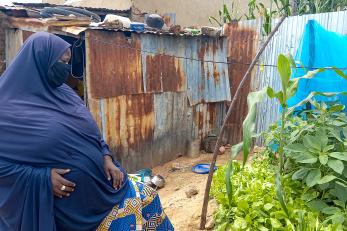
point(184, 212)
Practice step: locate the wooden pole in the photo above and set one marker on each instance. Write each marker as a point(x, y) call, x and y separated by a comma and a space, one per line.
point(219, 139)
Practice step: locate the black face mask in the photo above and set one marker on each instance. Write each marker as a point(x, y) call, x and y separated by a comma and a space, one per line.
point(58, 74)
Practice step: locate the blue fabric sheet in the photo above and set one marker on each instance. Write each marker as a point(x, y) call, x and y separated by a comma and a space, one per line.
point(42, 128)
point(321, 48)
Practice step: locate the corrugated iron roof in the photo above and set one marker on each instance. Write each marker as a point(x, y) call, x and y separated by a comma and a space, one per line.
point(30, 11)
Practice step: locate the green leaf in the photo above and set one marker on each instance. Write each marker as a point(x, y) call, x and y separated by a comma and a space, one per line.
point(326, 179)
point(330, 210)
point(268, 206)
point(292, 87)
point(339, 72)
point(228, 183)
point(336, 134)
point(313, 177)
point(323, 159)
point(339, 155)
point(249, 123)
point(226, 13)
point(337, 108)
point(284, 70)
point(317, 205)
point(338, 218)
point(291, 60)
point(340, 192)
point(323, 138)
point(295, 148)
point(278, 95)
point(336, 165)
point(243, 205)
point(339, 203)
point(279, 193)
point(305, 158)
point(312, 94)
point(275, 223)
point(312, 142)
point(310, 195)
point(236, 149)
point(300, 174)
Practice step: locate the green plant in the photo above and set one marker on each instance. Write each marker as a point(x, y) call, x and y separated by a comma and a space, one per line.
point(224, 16)
point(320, 6)
point(254, 205)
point(284, 7)
point(277, 8)
point(252, 6)
point(285, 140)
point(316, 155)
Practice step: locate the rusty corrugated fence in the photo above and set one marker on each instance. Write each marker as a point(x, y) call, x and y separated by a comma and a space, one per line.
point(152, 95)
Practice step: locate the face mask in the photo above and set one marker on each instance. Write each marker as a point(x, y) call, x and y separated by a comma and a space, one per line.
point(58, 74)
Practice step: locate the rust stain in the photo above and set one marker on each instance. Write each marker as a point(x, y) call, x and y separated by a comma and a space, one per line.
point(114, 64)
point(153, 74)
point(205, 119)
point(241, 50)
point(212, 114)
point(129, 123)
point(93, 105)
point(216, 74)
point(206, 47)
point(164, 73)
point(29, 23)
point(26, 34)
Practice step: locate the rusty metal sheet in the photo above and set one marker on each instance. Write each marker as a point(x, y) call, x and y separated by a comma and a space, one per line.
point(207, 81)
point(94, 108)
point(242, 45)
point(127, 125)
point(31, 24)
point(146, 130)
point(173, 126)
point(207, 119)
point(26, 34)
point(163, 73)
point(114, 65)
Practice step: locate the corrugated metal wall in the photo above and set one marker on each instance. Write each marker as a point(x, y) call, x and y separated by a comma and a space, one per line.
point(245, 38)
point(242, 46)
point(150, 107)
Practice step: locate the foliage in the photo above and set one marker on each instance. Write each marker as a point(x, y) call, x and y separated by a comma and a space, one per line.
point(254, 205)
point(320, 6)
point(284, 7)
point(310, 180)
point(317, 156)
point(225, 16)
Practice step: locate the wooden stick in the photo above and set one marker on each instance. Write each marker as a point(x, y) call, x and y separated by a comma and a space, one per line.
point(219, 139)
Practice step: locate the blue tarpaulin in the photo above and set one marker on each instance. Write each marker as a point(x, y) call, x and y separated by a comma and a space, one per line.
point(321, 48)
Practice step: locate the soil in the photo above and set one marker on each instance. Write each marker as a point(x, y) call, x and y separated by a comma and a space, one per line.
point(184, 212)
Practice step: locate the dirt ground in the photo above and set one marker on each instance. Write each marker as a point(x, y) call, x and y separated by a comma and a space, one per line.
point(184, 212)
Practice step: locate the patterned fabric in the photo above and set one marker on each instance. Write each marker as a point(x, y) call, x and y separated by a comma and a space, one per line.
point(140, 210)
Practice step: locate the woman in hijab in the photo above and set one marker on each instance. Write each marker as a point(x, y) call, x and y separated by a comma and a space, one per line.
point(55, 171)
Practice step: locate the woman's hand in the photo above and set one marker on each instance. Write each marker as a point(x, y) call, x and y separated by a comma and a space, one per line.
point(61, 186)
point(112, 172)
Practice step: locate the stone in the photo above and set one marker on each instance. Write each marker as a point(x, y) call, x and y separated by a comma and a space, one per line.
point(210, 224)
point(191, 192)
